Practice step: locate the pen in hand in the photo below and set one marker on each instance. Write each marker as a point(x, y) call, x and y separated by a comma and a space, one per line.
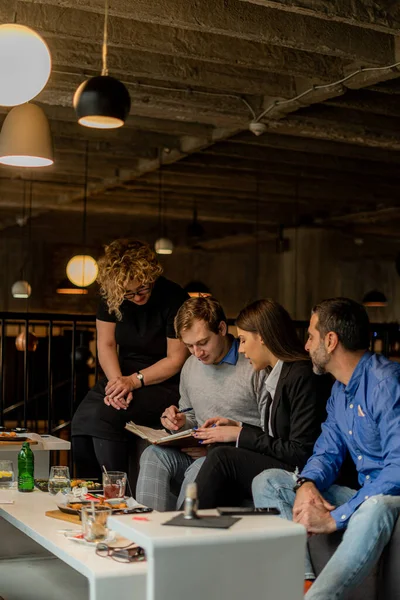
point(184, 410)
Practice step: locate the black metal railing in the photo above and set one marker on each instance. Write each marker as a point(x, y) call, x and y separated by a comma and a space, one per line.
point(46, 360)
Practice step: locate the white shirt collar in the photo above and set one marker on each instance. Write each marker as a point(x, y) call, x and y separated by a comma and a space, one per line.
point(272, 380)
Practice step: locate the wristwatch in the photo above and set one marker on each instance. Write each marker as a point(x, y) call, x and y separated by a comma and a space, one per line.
point(140, 376)
point(300, 481)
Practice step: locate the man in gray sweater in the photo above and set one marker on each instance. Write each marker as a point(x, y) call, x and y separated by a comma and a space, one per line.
point(215, 381)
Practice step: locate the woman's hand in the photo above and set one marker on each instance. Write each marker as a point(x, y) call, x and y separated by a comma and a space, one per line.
point(211, 435)
point(119, 403)
point(118, 387)
point(220, 421)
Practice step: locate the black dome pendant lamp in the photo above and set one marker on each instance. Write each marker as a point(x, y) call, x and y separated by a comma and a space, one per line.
point(102, 102)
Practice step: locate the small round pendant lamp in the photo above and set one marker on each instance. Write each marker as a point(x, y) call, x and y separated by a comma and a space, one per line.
point(25, 64)
point(375, 299)
point(164, 246)
point(21, 289)
point(82, 270)
point(102, 102)
point(25, 139)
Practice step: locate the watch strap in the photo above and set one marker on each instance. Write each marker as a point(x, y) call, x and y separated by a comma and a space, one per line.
point(300, 481)
point(140, 376)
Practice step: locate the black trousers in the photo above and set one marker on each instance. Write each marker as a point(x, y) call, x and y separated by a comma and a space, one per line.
point(91, 453)
point(227, 473)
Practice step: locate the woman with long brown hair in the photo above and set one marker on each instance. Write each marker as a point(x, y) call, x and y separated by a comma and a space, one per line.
point(138, 352)
point(292, 414)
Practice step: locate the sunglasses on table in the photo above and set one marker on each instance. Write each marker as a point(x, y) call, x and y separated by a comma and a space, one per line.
point(142, 291)
point(124, 554)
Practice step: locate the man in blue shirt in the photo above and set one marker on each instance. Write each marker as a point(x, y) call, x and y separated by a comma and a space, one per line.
point(364, 420)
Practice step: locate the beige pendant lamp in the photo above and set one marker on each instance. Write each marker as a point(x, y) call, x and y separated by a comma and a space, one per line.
point(25, 64)
point(25, 139)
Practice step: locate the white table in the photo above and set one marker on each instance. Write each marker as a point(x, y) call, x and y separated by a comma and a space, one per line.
point(107, 578)
point(41, 450)
point(258, 557)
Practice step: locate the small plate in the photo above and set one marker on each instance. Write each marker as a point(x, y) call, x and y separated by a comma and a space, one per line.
point(79, 539)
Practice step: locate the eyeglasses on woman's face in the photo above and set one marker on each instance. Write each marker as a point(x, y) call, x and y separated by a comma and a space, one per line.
point(141, 291)
point(124, 554)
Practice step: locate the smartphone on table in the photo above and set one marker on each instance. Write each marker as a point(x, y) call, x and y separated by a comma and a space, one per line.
point(243, 511)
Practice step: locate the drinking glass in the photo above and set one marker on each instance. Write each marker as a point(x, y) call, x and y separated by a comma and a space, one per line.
point(114, 484)
point(59, 480)
point(6, 474)
point(94, 523)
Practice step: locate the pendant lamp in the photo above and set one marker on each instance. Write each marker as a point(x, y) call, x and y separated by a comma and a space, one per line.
point(25, 138)
point(21, 289)
point(67, 288)
point(163, 245)
point(197, 289)
point(375, 299)
point(25, 64)
point(102, 102)
point(82, 269)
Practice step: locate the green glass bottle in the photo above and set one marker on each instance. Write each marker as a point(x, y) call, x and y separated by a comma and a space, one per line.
point(26, 461)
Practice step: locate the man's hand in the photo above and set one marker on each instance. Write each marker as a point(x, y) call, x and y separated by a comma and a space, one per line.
point(195, 452)
point(119, 403)
point(211, 435)
point(309, 494)
point(312, 510)
point(316, 519)
point(220, 421)
point(119, 387)
point(172, 419)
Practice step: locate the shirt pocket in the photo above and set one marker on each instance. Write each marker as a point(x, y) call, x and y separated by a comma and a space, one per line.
point(366, 432)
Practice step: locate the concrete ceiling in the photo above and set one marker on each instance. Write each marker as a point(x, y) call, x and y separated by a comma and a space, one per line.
point(197, 73)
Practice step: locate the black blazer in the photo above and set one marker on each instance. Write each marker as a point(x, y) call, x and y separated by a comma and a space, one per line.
point(298, 409)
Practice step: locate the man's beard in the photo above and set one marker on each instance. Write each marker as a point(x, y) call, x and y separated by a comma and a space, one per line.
point(320, 359)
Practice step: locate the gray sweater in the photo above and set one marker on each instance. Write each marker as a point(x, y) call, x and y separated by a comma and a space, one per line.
point(233, 391)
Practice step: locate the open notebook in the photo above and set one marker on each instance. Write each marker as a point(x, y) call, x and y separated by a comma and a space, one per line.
point(160, 437)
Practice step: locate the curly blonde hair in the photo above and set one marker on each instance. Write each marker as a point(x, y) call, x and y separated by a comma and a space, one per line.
point(123, 261)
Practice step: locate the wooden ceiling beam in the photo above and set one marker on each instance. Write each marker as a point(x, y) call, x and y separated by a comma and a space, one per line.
point(254, 23)
point(369, 15)
point(60, 27)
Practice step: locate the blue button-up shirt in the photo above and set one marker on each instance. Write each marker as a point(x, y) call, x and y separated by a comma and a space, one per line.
point(231, 357)
point(364, 418)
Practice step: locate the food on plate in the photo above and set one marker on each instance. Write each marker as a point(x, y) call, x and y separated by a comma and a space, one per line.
point(10, 434)
point(88, 483)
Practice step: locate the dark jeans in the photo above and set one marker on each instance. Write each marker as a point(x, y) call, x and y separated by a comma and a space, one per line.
point(226, 475)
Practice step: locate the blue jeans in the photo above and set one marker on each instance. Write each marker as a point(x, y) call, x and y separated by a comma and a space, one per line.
point(367, 533)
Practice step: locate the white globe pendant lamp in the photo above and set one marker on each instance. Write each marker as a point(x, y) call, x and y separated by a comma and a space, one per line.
point(82, 270)
point(25, 138)
point(25, 64)
point(21, 289)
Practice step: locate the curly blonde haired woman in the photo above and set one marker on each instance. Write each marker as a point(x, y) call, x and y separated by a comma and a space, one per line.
point(138, 352)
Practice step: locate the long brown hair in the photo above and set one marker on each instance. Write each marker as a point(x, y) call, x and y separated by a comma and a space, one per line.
point(273, 323)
